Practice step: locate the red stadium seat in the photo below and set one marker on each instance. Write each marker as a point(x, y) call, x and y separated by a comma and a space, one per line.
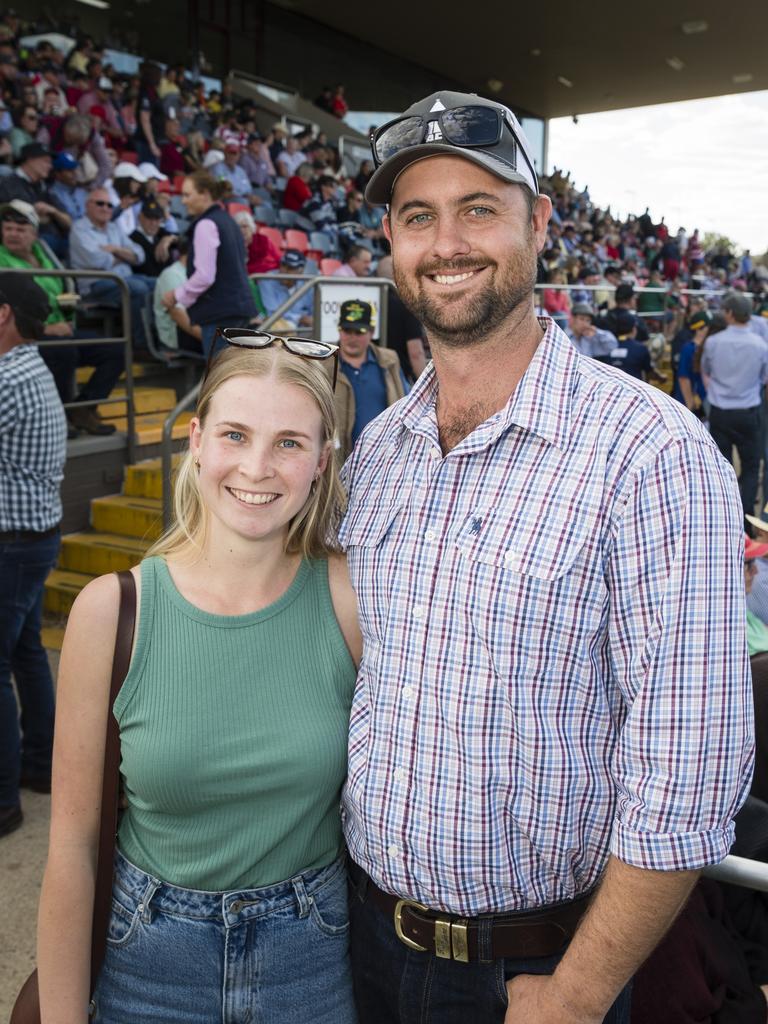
point(178, 181)
point(233, 208)
point(295, 239)
point(328, 266)
point(128, 156)
point(273, 235)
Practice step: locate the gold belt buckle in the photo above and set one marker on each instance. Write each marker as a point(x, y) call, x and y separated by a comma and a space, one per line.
point(450, 936)
point(399, 907)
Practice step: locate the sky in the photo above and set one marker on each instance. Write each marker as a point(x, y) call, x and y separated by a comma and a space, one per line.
point(702, 163)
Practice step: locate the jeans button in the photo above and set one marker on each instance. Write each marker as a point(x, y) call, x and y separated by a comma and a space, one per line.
point(236, 906)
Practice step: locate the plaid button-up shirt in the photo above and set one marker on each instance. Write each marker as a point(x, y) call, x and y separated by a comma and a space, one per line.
point(33, 442)
point(554, 656)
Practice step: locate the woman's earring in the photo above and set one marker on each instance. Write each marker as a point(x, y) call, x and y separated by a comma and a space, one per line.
point(197, 464)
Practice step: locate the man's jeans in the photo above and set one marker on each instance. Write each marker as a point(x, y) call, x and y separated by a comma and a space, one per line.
point(397, 985)
point(108, 293)
point(742, 428)
point(24, 566)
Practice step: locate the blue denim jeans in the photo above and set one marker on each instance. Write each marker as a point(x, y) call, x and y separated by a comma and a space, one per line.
point(140, 287)
point(24, 566)
point(276, 955)
point(397, 985)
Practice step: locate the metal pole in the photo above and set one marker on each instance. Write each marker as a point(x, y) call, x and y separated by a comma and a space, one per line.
point(752, 874)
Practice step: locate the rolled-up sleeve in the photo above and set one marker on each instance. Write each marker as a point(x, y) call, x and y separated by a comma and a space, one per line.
point(677, 645)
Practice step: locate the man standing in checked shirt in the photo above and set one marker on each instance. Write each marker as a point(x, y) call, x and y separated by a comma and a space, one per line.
point(551, 729)
point(33, 438)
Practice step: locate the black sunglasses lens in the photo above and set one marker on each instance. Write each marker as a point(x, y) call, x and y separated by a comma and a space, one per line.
point(400, 135)
point(471, 126)
point(307, 347)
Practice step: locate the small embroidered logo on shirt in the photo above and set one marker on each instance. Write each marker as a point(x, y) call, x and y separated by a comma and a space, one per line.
point(477, 523)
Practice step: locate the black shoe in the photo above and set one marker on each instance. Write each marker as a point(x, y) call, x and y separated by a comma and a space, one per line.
point(10, 819)
point(90, 422)
point(37, 783)
point(72, 432)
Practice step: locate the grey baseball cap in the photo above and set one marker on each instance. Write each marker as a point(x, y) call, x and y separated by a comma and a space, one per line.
point(582, 309)
point(509, 159)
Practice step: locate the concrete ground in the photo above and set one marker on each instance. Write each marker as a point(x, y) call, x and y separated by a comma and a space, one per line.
point(22, 859)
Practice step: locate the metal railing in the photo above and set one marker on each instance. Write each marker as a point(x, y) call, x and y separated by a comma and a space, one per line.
point(125, 340)
point(750, 874)
point(308, 282)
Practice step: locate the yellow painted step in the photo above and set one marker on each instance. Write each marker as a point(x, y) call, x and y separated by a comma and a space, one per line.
point(145, 479)
point(61, 589)
point(84, 373)
point(145, 400)
point(99, 553)
point(149, 428)
point(52, 637)
point(127, 516)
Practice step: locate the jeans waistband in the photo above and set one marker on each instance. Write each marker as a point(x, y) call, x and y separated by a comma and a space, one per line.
point(25, 536)
point(230, 907)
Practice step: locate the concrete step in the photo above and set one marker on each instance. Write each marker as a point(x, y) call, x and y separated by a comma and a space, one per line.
point(149, 428)
point(52, 637)
point(61, 589)
point(97, 553)
point(146, 400)
point(145, 479)
point(127, 516)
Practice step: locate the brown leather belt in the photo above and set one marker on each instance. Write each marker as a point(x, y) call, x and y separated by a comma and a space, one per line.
point(533, 933)
point(25, 536)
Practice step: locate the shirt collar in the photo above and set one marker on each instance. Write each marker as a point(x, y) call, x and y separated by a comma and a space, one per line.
point(541, 402)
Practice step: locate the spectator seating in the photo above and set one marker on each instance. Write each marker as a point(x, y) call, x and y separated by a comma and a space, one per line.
point(273, 235)
point(329, 266)
point(287, 218)
point(296, 239)
point(320, 242)
point(264, 215)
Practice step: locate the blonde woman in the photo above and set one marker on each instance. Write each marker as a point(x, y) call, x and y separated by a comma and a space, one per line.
point(229, 898)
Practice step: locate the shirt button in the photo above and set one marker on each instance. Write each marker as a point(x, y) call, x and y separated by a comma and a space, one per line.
point(399, 774)
point(418, 612)
point(407, 692)
point(511, 558)
point(393, 851)
point(430, 535)
point(434, 453)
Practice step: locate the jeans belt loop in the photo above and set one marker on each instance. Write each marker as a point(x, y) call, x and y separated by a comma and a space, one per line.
point(303, 898)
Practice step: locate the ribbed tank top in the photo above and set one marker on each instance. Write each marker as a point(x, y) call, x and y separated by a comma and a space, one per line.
point(233, 733)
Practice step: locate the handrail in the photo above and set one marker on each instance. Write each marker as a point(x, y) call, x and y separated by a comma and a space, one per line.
point(751, 874)
point(125, 340)
point(308, 281)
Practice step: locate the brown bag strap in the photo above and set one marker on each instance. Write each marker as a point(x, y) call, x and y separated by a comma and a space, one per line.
point(110, 791)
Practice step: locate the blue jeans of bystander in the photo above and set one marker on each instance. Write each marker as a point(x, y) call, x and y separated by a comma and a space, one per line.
point(24, 566)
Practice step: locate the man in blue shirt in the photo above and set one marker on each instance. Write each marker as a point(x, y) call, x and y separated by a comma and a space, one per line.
point(275, 290)
point(631, 355)
point(230, 169)
point(689, 386)
point(734, 366)
point(70, 196)
point(370, 380)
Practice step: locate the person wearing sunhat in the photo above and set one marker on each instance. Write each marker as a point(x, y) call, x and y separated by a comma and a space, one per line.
point(551, 730)
point(371, 378)
point(587, 338)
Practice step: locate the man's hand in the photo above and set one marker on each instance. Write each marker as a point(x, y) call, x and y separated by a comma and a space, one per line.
point(535, 999)
point(163, 246)
point(61, 329)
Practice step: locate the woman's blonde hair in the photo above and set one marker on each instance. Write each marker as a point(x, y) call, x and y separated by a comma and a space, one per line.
point(312, 532)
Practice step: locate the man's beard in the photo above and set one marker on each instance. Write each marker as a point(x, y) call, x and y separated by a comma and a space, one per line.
point(469, 321)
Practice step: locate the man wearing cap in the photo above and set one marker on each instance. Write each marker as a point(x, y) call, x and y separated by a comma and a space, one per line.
point(546, 745)
point(277, 288)
point(586, 337)
point(689, 385)
point(734, 365)
point(625, 303)
point(231, 170)
point(33, 436)
point(22, 249)
point(29, 183)
point(370, 380)
point(153, 238)
point(629, 354)
point(65, 190)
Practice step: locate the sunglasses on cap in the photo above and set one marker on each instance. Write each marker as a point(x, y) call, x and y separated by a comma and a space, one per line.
point(471, 126)
point(245, 337)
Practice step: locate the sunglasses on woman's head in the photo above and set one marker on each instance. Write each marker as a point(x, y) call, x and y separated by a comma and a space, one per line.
point(245, 337)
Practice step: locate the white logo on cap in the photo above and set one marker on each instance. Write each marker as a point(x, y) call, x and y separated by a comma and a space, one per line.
point(437, 106)
point(433, 132)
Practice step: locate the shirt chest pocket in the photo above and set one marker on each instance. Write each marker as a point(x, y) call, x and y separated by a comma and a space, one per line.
point(367, 537)
point(533, 591)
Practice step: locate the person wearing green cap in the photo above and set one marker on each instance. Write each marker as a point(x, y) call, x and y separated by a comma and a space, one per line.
point(689, 387)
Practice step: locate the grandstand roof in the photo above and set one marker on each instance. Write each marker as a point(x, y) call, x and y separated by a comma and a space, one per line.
point(613, 55)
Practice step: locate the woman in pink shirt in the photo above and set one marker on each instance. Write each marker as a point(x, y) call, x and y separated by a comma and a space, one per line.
point(556, 301)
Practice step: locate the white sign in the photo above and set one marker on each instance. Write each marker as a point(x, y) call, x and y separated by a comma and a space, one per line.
point(331, 298)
